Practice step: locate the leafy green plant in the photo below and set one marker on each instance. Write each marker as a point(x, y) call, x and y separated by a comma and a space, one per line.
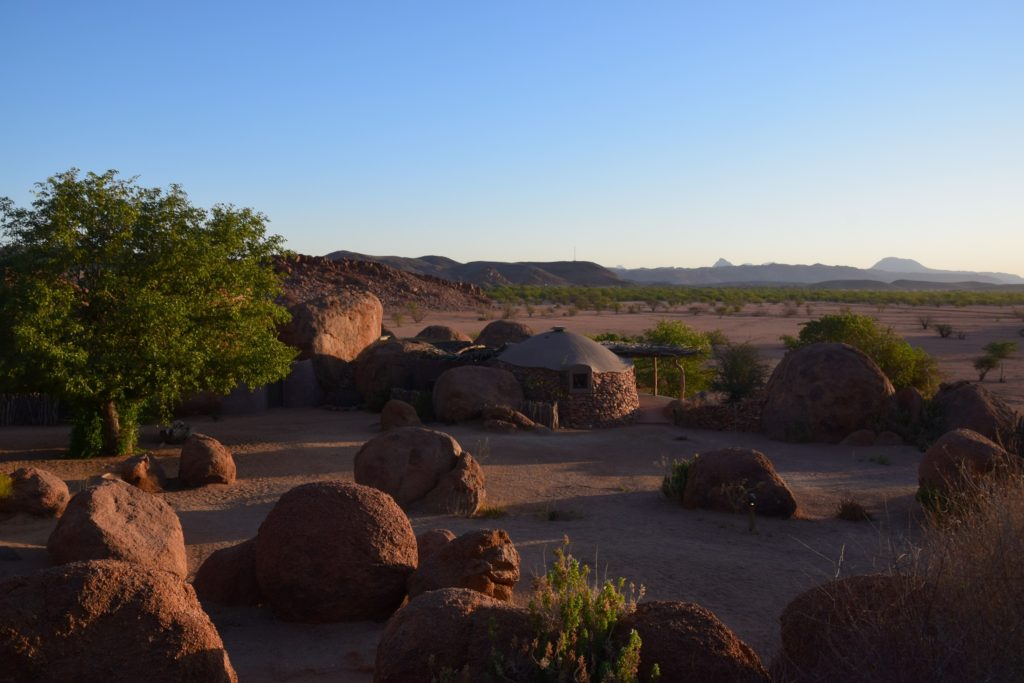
point(944, 330)
point(574, 620)
point(740, 371)
point(902, 363)
point(674, 483)
point(999, 351)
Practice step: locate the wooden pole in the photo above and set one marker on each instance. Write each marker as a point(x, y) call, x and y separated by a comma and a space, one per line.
point(682, 380)
point(655, 375)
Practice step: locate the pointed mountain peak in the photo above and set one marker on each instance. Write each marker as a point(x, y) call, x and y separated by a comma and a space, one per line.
point(721, 263)
point(900, 265)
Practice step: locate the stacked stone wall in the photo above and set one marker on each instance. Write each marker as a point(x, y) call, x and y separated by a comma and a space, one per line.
point(613, 399)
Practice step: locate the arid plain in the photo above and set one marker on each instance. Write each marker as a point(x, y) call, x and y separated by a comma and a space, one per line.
point(600, 488)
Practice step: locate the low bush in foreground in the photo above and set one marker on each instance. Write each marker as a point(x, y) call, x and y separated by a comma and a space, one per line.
point(674, 483)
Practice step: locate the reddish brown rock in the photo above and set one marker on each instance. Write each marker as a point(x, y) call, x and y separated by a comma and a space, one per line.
point(332, 329)
point(407, 462)
point(860, 438)
point(391, 364)
point(462, 491)
point(398, 414)
point(500, 332)
point(509, 416)
point(101, 621)
point(144, 472)
point(689, 643)
point(728, 479)
point(822, 392)
point(888, 438)
point(36, 492)
point(860, 628)
point(483, 560)
point(971, 406)
point(334, 551)
point(429, 542)
point(117, 521)
point(204, 460)
point(454, 631)
point(462, 393)
point(499, 426)
point(957, 457)
point(228, 576)
point(909, 406)
point(442, 333)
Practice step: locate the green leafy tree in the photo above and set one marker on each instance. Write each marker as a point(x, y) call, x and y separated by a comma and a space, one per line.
point(740, 371)
point(996, 352)
point(902, 363)
point(117, 297)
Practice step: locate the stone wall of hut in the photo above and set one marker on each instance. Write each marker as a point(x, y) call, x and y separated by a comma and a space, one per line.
point(612, 401)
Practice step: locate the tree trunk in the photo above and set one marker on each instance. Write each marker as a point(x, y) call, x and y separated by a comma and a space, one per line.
point(111, 428)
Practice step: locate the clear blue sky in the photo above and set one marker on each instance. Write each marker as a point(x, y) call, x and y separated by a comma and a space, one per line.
point(638, 133)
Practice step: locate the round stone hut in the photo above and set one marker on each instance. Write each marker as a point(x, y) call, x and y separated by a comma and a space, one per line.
point(591, 385)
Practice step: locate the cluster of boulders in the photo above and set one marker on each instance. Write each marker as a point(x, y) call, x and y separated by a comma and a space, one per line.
point(335, 551)
point(422, 468)
point(204, 460)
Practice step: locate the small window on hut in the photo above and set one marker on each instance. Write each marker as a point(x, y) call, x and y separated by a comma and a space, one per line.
point(580, 379)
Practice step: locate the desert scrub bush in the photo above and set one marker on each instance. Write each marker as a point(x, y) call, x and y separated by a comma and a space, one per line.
point(903, 364)
point(995, 353)
point(674, 483)
point(417, 312)
point(852, 511)
point(573, 620)
point(740, 371)
point(944, 330)
point(6, 487)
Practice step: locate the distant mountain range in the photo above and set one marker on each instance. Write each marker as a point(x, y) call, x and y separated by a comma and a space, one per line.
point(889, 273)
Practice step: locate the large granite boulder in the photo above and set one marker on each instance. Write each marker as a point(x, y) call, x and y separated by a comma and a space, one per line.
point(463, 393)
point(204, 460)
point(500, 332)
point(416, 465)
point(689, 643)
point(406, 462)
point(484, 560)
point(959, 457)
point(972, 406)
point(36, 492)
point(395, 364)
point(730, 479)
point(228, 576)
point(103, 621)
point(115, 520)
point(144, 472)
point(453, 632)
point(334, 551)
point(332, 329)
point(823, 392)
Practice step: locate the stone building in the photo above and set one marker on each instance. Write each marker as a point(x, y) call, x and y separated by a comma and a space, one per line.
point(591, 385)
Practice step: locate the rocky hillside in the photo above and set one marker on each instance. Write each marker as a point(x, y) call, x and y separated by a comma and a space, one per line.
point(309, 276)
point(490, 273)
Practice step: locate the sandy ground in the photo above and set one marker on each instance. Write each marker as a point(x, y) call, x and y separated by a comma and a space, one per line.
point(600, 488)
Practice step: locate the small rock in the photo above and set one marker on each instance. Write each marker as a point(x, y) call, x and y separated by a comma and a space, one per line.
point(36, 492)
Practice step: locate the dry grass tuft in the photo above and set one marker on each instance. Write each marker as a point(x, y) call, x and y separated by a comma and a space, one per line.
point(852, 511)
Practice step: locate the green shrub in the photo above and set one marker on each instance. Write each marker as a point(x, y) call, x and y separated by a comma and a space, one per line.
point(740, 371)
point(674, 483)
point(944, 330)
point(903, 364)
point(87, 432)
point(574, 620)
point(6, 486)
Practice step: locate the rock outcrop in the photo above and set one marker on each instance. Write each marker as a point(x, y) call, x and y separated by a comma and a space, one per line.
point(442, 333)
point(204, 460)
point(117, 521)
point(485, 561)
point(334, 551)
point(959, 457)
point(823, 392)
point(104, 620)
point(689, 643)
point(36, 492)
point(463, 393)
point(729, 479)
point(972, 406)
point(420, 466)
point(395, 364)
point(454, 630)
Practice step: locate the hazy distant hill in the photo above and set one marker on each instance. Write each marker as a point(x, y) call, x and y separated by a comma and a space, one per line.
point(887, 270)
point(888, 273)
point(498, 272)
